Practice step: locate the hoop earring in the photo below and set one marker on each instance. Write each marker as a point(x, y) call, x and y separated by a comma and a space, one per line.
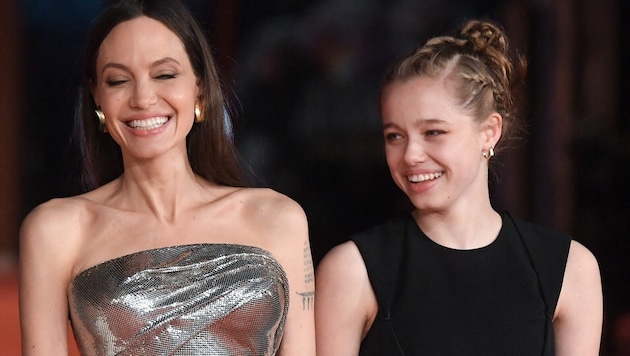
point(198, 113)
point(101, 120)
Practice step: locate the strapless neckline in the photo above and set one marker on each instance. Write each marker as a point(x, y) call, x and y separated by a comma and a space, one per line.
point(172, 247)
point(195, 299)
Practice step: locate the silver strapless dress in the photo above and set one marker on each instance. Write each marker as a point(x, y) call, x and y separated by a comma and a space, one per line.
point(203, 299)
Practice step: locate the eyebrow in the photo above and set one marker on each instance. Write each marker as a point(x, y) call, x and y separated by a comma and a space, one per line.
point(154, 64)
point(417, 123)
point(388, 125)
point(430, 121)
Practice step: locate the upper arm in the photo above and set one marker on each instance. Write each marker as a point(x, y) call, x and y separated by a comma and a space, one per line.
point(345, 301)
point(579, 313)
point(291, 248)
point(44, 275)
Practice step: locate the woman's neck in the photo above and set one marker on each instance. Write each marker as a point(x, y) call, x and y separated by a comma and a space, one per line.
point(165, 190)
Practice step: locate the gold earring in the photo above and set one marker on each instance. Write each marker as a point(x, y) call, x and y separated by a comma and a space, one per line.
point(101, 120)
point(488, 154)
point(198, 113)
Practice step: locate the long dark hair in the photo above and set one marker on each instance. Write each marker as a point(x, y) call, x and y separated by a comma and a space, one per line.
point(210, 146)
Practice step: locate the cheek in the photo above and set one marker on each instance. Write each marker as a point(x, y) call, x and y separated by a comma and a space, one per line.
point(184, 97)
point(110, 100)
point(392, 156)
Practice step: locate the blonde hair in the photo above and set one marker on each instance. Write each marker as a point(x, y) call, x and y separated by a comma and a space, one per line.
point(477, 62)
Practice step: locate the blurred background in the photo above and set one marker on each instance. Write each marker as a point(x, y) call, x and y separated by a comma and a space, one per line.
point(302, 78)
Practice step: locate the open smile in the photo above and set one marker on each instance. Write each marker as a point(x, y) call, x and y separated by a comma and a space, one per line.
point(417, 178)
point(148, 124)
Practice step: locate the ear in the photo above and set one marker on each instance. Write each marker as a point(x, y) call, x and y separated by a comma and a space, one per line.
point(491, 130)
point(199, 87)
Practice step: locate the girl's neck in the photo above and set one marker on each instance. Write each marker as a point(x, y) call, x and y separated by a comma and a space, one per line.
point(464, 230)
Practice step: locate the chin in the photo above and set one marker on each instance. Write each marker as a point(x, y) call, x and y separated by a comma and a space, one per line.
point(426, 205)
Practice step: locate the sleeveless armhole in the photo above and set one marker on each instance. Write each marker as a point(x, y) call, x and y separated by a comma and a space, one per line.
point(381, 249)
point(548, 252)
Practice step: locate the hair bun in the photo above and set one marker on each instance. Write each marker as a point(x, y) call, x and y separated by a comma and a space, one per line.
point(482, 35)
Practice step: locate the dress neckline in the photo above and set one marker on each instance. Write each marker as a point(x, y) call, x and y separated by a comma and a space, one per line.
point(415, 229)
point(174, 247)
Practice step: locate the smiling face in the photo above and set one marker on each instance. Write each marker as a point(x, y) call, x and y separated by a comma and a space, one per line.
point(146, 87)
point(433, 148)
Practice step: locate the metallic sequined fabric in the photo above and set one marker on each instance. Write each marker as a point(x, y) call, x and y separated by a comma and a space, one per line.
point(203, 299)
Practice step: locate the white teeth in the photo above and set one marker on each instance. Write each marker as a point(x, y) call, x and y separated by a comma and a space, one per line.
point(416, 178)
point(148, 124)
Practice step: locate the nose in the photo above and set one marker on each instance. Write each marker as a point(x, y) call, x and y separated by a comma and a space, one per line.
point(143, 95)
point(414, 153)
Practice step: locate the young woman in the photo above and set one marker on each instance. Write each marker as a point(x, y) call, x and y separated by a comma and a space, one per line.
point(455, 277)
point(166, 253)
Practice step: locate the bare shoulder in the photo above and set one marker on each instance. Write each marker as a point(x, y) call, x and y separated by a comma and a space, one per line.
point(343, 272)
point(582, 265)
point(270, 209)
point(266, 200)
point(342, 264)
point(271, 220)
point(53, 229)
point(345, 302)
point(581, 253)
point(581, 281)
point(346, 251)
point(49, 243)
point(54, 216)
point(579, 312)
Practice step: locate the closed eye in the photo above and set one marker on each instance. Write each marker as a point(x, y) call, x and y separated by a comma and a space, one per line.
point(166, 76)
point(115, 83)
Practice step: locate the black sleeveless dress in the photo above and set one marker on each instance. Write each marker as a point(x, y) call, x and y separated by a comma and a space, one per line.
point(495, 300)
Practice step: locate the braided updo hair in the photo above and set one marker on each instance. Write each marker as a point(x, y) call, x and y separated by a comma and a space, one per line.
point(477, 63)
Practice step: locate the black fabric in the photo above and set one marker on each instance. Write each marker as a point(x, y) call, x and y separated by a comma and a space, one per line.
point(548, 252)
point(496, 300)
point(383, 245)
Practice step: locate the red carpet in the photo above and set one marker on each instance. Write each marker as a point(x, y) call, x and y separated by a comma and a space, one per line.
point(10, 320)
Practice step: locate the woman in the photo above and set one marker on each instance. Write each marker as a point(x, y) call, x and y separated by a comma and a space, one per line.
point(455, 277)
point(166, 253)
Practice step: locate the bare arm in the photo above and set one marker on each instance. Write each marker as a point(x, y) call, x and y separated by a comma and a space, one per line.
point(578, 319)
point(346, 305)
point(44, 275)
point(292, 249)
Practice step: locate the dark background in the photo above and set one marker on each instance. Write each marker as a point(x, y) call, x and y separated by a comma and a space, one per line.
point(303, 77)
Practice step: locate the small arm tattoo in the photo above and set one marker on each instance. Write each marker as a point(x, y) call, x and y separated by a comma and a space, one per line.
point(308, 300)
